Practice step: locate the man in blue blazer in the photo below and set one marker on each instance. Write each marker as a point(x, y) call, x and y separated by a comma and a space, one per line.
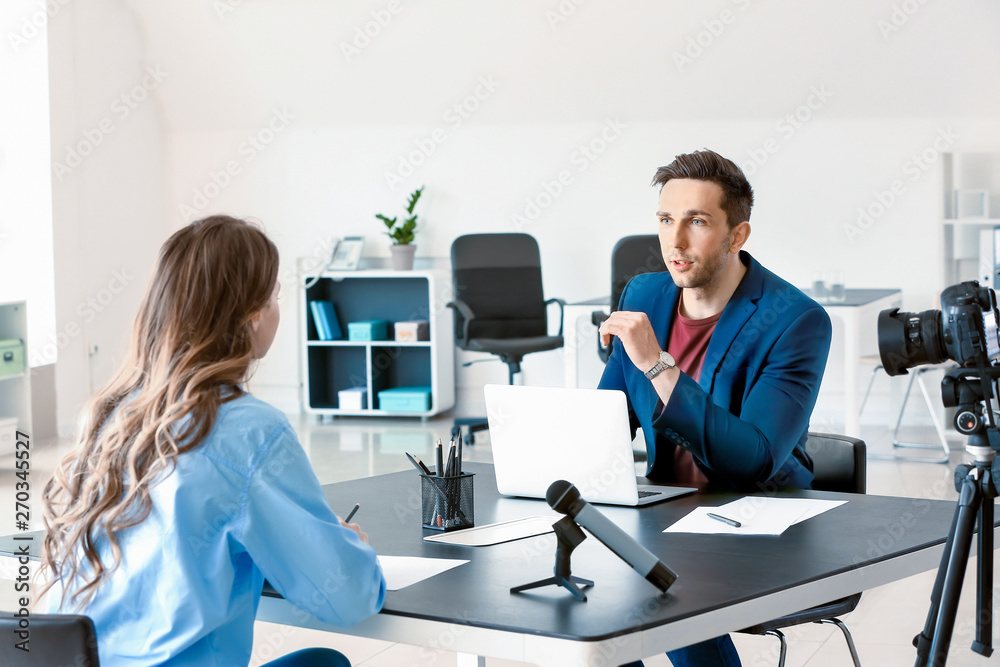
point(721, 360)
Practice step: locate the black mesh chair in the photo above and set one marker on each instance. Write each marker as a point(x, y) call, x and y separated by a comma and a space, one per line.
point(631, 256)
point(55, 639)
point(838, 465)
point(499, 304)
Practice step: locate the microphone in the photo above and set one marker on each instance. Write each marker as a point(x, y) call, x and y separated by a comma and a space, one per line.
point(565, 498)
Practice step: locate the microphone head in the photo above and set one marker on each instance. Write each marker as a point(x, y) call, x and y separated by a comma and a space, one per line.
point(561, 496)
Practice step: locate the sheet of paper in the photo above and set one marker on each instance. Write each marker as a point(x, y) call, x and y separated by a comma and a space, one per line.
point(403, 571)
point(758, 515)
point(495, 533)
point(817, 507)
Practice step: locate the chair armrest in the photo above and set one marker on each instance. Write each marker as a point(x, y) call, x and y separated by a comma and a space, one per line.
point(467, 316)
point(597, 318)
point(562, 310)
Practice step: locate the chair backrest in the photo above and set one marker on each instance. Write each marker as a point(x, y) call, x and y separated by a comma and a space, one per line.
point(499, 276)
point(631, 256)
point(838, 462)
point(53, 639)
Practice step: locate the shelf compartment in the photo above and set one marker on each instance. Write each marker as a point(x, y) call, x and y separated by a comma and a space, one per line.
point(332, 369)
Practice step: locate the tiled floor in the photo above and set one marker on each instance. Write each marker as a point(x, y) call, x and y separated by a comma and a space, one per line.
point(883, 625)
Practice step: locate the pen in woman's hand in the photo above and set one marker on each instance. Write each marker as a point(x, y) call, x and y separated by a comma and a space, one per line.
point(354, 511)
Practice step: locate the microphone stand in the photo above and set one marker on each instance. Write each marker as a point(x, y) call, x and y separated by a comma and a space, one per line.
point(568, 537)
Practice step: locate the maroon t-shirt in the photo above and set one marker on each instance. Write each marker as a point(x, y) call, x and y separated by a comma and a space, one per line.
point(687, 344)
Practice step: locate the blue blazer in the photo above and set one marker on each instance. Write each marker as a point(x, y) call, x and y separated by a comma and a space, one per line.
point(745, 421)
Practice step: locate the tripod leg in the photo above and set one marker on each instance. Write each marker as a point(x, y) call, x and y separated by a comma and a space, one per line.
point(969, 502)
point(984, 579)
point(923, 640)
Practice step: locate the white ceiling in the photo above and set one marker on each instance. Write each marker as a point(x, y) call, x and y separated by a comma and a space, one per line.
point(606, 59)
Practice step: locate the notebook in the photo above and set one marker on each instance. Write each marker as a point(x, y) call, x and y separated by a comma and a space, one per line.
point(542, 434)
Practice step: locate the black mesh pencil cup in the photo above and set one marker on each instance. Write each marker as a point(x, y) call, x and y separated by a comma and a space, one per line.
point(447, 502)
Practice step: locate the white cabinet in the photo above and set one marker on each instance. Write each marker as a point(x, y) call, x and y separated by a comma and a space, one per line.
point(15, 389)
point(332, 366)
point(971, 190)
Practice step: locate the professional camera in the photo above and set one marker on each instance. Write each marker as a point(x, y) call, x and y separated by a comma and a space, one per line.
point(965, 330)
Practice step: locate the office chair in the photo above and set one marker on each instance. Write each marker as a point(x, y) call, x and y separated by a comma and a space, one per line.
point(499, 304)
point(55, 639)
point(916, 376)
point(631, 256)
point(838, 465)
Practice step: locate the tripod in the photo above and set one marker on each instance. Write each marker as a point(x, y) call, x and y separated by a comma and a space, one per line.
point(977, 487)
point(568, 537)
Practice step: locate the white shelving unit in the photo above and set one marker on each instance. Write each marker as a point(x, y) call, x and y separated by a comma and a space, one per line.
point(397, 296)
point(15, 390)
point(968, 171)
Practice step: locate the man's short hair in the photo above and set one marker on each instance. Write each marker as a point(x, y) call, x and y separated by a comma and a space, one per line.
point(706, 165)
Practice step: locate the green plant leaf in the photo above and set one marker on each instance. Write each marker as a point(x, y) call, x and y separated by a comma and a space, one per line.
point(414, 198)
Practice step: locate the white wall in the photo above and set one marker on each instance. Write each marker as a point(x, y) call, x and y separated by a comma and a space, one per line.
point(26, 262)
point(826, 107)
point(108, 180)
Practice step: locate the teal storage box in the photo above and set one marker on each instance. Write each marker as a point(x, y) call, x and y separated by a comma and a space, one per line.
point(11, 357)
point(368, 330)
point(405, 399)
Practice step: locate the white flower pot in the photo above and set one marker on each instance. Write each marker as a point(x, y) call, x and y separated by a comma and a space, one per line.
point(402, 256)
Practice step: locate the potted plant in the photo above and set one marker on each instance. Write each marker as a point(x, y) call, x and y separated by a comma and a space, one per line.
point(402, 234)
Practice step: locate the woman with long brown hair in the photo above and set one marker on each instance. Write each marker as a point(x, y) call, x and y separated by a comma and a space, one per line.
point(184, 491)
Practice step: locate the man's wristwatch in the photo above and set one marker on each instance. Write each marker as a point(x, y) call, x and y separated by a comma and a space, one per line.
point(665, 362)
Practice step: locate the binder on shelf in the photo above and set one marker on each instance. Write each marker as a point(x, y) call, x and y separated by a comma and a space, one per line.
point(325, 318)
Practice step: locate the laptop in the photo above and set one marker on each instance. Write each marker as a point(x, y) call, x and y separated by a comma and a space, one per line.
point(541, 434)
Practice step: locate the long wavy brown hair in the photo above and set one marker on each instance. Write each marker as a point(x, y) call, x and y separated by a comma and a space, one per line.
point(191, 347)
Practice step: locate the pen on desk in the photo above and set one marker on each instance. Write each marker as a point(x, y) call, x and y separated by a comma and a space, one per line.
point(726, 520)
point(354, 511)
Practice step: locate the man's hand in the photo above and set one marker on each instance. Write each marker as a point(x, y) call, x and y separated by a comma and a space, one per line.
point(636, 334)
point(356, 528)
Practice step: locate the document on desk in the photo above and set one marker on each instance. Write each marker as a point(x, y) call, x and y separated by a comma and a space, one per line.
point(403, 571)
point(756, 515)
point(495, 533)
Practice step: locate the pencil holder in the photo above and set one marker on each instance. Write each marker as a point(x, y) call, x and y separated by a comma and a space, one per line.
point(447, 502)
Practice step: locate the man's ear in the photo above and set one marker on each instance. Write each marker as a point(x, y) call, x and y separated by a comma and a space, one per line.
point(739, 236)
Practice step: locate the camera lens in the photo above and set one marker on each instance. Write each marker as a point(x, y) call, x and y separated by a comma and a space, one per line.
point(906, 340)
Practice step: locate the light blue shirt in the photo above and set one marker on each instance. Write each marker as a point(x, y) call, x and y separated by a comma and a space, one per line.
point(242, 507)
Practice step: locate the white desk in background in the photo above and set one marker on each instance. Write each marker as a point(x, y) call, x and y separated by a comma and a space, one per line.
point(582, 366)
point(858, 312)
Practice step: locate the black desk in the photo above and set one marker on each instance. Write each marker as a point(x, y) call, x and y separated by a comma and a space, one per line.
point(725, 583)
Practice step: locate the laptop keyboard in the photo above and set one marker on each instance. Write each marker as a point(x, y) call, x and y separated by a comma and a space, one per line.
point(647, 494)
